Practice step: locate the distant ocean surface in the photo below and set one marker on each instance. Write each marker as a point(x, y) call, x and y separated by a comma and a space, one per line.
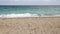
point(29, 11)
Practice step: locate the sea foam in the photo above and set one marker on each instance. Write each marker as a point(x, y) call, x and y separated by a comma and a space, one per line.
point(18, 15)
point(26, 15)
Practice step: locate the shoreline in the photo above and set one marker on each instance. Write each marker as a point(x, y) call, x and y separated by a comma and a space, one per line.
point(26, 15)
point(32, 17)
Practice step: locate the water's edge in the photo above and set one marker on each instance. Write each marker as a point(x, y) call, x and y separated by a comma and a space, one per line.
point(25, 15)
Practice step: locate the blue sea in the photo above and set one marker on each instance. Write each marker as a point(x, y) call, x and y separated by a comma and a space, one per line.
point(29, 11)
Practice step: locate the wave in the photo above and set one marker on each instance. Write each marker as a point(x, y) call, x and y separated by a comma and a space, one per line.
point(25, 15)
point(18, 15)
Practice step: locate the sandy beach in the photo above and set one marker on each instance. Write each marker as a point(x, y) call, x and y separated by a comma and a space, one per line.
point(33, 25)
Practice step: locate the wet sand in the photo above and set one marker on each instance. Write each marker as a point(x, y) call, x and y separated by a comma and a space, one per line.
point(34, 25)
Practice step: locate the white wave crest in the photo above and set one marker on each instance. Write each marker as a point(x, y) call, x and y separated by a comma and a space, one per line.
point(18, 15)
point(26, 15)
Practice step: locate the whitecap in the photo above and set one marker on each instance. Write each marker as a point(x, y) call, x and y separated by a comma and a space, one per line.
point(18, 15)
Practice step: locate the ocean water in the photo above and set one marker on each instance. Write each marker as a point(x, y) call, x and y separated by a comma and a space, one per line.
point(29, 11)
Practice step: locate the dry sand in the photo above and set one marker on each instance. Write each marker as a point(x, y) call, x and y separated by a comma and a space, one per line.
point(34, 25)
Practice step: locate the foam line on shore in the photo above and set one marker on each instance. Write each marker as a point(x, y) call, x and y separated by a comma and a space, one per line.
point(25, 15)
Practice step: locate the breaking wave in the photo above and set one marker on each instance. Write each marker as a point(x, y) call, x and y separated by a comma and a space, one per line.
point(18, 15)
point(25, 15)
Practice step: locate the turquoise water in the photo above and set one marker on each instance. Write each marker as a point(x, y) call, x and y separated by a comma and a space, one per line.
point(39, 10)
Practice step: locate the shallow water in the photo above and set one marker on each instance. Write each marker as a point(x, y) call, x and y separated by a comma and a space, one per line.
point(28, 11)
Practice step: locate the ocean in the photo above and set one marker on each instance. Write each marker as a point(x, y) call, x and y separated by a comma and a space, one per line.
point(29, 11)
